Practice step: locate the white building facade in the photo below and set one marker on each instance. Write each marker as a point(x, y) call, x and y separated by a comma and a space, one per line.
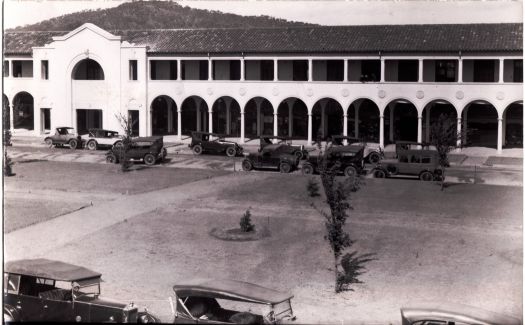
point(306, 83)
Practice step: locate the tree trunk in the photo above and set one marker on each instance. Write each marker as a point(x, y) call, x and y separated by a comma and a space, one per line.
point(442, 179)
point(335, 273)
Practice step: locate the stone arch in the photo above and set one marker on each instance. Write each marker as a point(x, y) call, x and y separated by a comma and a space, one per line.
point(327, 119)
point(292, 118)
point(480, 119)
point(401, 118)
point(163, 115)
point(363, 120)
point(258, 117)
point(513, 125)
point(194, 115)
point(23, 111)
point(87, 69)
point(432, 111)
point(226, 113)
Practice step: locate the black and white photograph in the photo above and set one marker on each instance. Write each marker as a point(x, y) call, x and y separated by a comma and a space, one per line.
point(263, 161)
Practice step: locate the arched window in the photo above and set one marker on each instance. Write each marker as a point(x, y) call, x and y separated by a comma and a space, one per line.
point(88, 69)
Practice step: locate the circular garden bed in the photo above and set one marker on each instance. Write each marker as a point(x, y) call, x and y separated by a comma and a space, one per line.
point(237, 234)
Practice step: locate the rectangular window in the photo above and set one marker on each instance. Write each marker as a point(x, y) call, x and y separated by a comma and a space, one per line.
point(6, 68)
point(445, 70)
point(328, 70)
point(258, 70)
point(163, 70)
point(483, 70)
point(407, 70)
point(44, 67)
point(513, 70)
point(194, 69)
point(23, 69)
point(292, 70)
point(226, 69)
point(133, 70)
point(11, 283)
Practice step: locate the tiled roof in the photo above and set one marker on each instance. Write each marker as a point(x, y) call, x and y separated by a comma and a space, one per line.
point(302, 40)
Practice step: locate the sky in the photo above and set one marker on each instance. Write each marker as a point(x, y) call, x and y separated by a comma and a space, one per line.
point(327, 12)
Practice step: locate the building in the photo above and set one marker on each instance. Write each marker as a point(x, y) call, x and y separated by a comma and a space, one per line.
point(381, 83)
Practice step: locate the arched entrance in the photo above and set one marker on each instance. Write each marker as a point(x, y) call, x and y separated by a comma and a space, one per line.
point(163, 116)
point(513, 126)
point(433, 111)
point(227, 117)
point(88, 69)
point(292, 118)
point(23, 111)
point(363, 120)
point(194, 115)
point(480, 118)
point(258, 117)
point(401, 119)
point(327, 119)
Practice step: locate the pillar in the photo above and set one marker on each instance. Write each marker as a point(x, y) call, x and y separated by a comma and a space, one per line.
point(504, 132)
point(290, 120)
point(309, 142)
point(465, 122)
point(382, 70)
point(420, 70)
point(310, 72)
point(391, 129)
point(179, 124)
point(242, 69)
point(460, 135)
point(258, 117)
point(427, 123)
point(210, 121)
point(460, 71)
point(11, 117)
point(228, 118)
point(356, 121)
point(345, 124)
point(179, 70)
point(210, 70)
point(500, 135)
point(501, 70)
point(345, 68)
point(242, 127)
point(275, 70)
point(198, 112)
point(322, 120)
point(382, 131)
point(275, 119)
point(419, 128)
point(170, 118)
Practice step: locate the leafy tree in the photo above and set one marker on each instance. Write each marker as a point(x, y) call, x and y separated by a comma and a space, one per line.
point(127, 126)
point(246, 222)
point(6, 139)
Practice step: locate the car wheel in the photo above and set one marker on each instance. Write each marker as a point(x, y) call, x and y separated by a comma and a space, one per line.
point(111, 159)
point(197, 149)
point(247, 165)
point(145, 318)
point(426, 176)
point(299, 155)
point(118, 144)
point(92, 145)
point(231, 152)
point(350, 171)
point(374, 157)
point(149, 159)
point(379, 173)
point(307, 169)
point(393, 170)
point(48, 142)
point(285, 167)
point(73, 144)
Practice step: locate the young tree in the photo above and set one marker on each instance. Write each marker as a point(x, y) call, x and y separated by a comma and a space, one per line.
point(127, 126)
point(6, 139)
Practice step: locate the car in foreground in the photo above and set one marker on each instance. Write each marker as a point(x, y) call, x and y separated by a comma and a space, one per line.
point(271, 156)
point(372, 153)
point(452, 314)
point(230, 302)
point(415, 162)
point(147, 149)
point(202, 142)
point(42, 290)
point(64, 135)
point(294, 149)
point(100, 138)
point(348, 160)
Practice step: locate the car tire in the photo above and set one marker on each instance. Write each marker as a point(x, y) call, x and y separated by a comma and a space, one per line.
point(48, 142)
point(145, 318)
point(231, 152)
point(118, 144)
point(351, 171)
point(379, 173)
point(285, 167)
point(92, 145)
point(426, 176)
point(374, 157)
point(307, 169)
point(298, 155)
point(393, 170)
point(197, 149)
point(247, 165)
point(149, 159)
point(73, 143)
point(111, 159)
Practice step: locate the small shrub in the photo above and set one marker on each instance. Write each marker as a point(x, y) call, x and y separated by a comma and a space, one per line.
point(313, 188)
point(246, 222)
point(353, 266)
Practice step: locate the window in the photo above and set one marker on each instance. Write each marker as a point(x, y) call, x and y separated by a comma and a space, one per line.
point(518, 71)
point(445, 70)
point(163, 69)
point(6, 68)
point(407, 70)
point(11, 283)
point(22, 69)
point(426, 160)
point(328, 70)
point(293, 70)
point(88, 69)
point(513, 70)
point(370, 71)
point(194, 69)
point(403, 159)
point(485, 71)
point(132, 69)
point(44, 69)
point(258, 70)
point(226, 70)
point(415, 159)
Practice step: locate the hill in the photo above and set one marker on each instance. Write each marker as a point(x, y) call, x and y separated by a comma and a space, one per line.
point(145, 15)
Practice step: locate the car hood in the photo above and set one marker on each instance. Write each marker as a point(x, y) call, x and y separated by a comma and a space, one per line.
point(227, 142)
point(102, 301)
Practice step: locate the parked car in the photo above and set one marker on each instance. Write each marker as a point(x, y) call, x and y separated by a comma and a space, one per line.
point(213, 142)
point(348, 160)
point(97, 138)
point(148, 149)
point(414, 162)
point(294, 149)
point(271, 156)
point(208, 302)
point(52, 291)
point(452, 314)
point(64, 135)
point(372, 153)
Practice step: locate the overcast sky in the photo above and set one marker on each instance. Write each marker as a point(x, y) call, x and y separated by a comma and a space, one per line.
point(327, 12)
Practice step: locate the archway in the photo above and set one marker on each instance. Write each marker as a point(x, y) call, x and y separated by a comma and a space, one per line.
point(363, 120)
point(163, 116)
point(327, 119)
point(480, 119)
point(433, 111)
point(513, 125)
point(88, 69)
point(401, 118)
point(227, 117)
point(258, 117)
point(194, 115)
point(23, 111)
point(292, 118)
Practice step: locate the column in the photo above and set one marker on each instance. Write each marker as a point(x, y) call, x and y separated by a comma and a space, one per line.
point(420, 71)
point(310, 70)
point(356, 121)
point(381, 131)
point(382, 70)
point(210, 121)
point(309, 129)
point(258, 104)
point(345, 124)
point(458, 141)
point(275, 70)
point(427, 123)
point(11, 118)
point(501, 70)
point(179, 124)
point(228, 118)
point(179, 70)
point(345, 67)
point(290, 120)
point(504, 132)
point(242, 69)
point(242, 127)
point(500, 135)
point(322, 120)
point(210, 70)
point(419, 128)
point(170, 118)
point(275, 120)
point(391, 129)
point(465, 121)
point(460, 71)
point(198, 111)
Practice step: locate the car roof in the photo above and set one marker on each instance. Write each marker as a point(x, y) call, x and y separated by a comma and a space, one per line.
point(232, 290)
point(458, 312)
point(50, 269)
point(350, 148)
point(96, 129)
point(152, 138)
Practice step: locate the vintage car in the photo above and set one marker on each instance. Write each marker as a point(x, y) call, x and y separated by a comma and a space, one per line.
point(452, 314)
point(97, 138)
point(271, 156)
point(63, 136)
point(372, 153)
point(293, 149)
point(214, 143)
point(421, 163)
point(230, 302)
point(148, 149)
point(42, 290)
point(346, 159)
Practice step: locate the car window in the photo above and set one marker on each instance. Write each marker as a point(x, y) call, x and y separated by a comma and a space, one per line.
point(62, 131)
point(415, 159)
point(11, 283)
point(403, 159)
point(426, 160)
point(205, 137)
